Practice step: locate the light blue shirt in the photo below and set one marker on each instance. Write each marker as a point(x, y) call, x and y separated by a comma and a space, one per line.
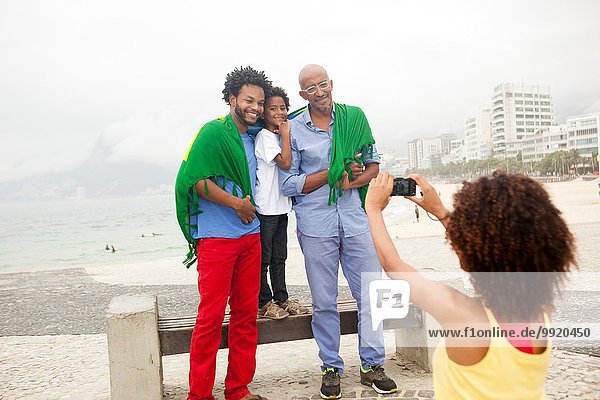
point(218, 221)
point(311, 152)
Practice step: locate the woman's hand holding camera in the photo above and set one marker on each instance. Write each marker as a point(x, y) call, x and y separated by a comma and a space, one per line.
point(379, 192)
point(380, 189)
point(430, 201)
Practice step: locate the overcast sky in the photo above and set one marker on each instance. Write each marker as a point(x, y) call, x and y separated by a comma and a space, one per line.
point(141, 77)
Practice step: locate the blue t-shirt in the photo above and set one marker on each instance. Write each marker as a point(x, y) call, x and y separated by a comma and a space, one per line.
point(218, 221)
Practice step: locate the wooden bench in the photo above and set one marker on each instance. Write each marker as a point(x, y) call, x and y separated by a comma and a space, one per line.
point(138, 338)
point(176, 333)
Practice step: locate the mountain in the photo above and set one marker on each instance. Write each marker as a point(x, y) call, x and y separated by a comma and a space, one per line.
point(97, 177)
point(92, 179)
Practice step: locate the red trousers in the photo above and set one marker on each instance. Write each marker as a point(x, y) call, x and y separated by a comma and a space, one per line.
point(227, 268)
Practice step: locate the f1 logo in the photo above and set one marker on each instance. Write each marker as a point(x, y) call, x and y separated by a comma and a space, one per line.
point(389, 300)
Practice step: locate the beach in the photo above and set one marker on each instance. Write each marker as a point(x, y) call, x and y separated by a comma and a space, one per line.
point(53, 345)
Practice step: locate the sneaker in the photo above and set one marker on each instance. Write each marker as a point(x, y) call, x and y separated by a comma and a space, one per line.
point(330, 384)
point(293, 307)
point(272, 311)
point(377, 379)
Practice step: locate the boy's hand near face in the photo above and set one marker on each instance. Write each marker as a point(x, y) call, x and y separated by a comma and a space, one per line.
point(283, 128)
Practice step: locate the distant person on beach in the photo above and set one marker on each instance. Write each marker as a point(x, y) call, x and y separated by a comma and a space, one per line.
point(272, 207)
point(517, 249)
point(417, 213)
point(215, 209)
point(333, 159)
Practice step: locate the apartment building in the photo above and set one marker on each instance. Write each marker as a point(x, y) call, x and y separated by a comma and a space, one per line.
point(478, 135)
point(424, 153)
point(583, 133)
point(517, 111)
point(545, 140)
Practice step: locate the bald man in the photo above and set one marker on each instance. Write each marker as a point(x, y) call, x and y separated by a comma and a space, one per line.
point(333, 159)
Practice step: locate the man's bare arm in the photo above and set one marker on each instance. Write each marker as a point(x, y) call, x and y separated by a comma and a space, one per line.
point(315, 181)
point(365, 177)
point(242, 207)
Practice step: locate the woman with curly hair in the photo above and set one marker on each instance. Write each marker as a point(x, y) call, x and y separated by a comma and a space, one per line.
point(517, 250)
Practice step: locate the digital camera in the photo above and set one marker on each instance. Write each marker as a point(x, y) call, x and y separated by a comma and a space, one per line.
point(404, 187)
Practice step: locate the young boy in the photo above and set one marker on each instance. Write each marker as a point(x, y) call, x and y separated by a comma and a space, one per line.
point(272, 207)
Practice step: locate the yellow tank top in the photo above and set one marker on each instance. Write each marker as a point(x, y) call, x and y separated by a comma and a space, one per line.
point(504, 372)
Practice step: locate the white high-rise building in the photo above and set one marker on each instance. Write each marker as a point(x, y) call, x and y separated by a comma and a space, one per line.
point(583, 134)
point(446, 140)
point(413, 161)
point(513, 149)
point(424, 153)
point(429, 151)
point(457, 152)
point(518, 110)
point(478, 136)
point(545, 140)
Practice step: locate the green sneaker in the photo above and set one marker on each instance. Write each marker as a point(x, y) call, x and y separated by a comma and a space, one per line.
point(377, 379)
point(330, 384)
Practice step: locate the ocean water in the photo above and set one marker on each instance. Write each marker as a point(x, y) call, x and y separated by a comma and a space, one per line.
point(38, 235)
point(75, 232)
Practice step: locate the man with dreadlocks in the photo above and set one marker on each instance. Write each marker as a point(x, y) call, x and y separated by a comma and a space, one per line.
point(215, 210)
point(331, 142)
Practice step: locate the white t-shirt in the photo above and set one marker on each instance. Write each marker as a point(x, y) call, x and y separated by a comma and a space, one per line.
point(268, 197)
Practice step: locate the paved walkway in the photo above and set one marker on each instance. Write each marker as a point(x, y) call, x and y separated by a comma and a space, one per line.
point(53, 346)
point(76, 367)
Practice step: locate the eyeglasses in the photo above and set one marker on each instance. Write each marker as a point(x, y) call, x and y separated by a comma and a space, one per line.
point(313, 89)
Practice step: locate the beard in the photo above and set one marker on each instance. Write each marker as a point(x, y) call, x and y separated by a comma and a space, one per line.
point(240, 114)
point(323, 106)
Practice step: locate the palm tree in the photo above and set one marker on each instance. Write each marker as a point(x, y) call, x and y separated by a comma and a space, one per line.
point(574, 159)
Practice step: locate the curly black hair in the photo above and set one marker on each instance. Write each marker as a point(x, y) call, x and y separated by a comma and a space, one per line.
point(244, 76)
point(276, 91)
point(507, 223)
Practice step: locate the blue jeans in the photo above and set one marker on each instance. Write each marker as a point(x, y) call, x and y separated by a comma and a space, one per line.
point(273, 239)
point(322, 256)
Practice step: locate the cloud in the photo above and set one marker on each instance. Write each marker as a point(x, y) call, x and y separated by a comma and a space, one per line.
point(593, 107)
point(44, 155)
point(160, 139)
point(144, 76)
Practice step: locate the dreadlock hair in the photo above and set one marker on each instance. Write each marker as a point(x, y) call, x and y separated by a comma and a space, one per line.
point(244, 76)
point(503, 228)
point(276, 91)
